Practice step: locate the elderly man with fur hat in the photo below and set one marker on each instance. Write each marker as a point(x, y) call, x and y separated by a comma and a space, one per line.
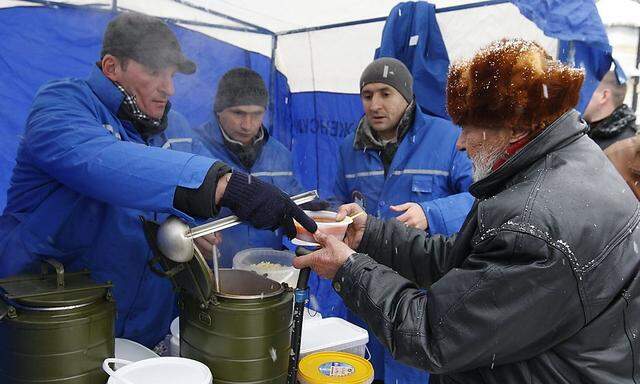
point(541, 283)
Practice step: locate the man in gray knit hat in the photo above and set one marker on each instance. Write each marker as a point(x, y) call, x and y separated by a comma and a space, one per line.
point(236, 134)
point(400, 163)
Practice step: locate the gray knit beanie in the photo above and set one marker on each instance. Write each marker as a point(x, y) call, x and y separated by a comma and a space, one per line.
point(389, 71)
point(240, 86)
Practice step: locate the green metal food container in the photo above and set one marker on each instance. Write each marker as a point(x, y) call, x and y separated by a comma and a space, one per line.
point(243, 332)
point(55, 328)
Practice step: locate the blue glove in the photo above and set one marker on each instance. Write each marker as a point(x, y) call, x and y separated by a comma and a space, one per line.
point(263, 205)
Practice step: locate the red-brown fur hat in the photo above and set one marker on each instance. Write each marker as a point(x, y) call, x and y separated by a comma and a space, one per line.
point(511, 83)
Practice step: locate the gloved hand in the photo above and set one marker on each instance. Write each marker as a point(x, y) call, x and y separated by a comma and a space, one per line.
point(315, 205)
point(263, 205)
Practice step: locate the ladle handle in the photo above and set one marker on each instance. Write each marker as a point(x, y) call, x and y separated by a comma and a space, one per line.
point(230, 221)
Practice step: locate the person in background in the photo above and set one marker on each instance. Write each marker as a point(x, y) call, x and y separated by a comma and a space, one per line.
point(400, 163)
point(625, 156)
point(541, 284)
point(610, 120)
point(236, 135)
point(91, 163)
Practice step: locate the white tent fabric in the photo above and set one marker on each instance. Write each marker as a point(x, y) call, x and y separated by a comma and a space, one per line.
point(331, 59)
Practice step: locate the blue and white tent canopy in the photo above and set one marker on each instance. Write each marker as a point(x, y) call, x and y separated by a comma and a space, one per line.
point(310, 54)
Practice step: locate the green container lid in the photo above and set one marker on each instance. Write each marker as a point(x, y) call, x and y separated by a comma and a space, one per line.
point(52, 290)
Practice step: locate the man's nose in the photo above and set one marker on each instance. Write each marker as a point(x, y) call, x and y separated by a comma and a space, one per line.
point(376, 103)
point(166, 86)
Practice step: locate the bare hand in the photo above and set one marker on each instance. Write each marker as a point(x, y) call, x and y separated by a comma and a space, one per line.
point(205, 244)
point(413, 215)
point(356, 229)
point(327, 260)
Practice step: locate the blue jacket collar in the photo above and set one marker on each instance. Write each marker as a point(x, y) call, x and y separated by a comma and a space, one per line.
point(106, 91)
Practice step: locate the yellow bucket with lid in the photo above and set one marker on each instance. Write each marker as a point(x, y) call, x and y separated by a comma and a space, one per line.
point(334, 368)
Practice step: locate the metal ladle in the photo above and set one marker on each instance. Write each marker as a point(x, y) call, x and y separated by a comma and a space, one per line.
point(175, 238)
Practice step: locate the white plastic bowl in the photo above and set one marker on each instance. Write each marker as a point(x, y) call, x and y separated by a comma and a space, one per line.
point(333, 228)
point(263, 261)
point(159, 370)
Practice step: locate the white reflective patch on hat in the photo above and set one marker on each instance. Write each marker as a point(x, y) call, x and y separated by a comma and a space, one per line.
point(385, 71)
point(413, 40)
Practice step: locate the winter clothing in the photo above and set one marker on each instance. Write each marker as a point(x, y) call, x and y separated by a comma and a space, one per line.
point(390, 71)
point(144, 124)
point(246, 154)
point(145, 39)
point(240, 86)
point(367, 137)
point(426, 169)
point(619, 125)
point(514, 84)
point(244, 195)
point(81, 182)
point(625, 156)
point(541, 285)
point(273, 166)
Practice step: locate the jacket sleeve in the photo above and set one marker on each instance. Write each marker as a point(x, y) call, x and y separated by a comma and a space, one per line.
point(500, 306)
point(66, 139)
point(446, 215)
point(340, 189)
point(408, 251)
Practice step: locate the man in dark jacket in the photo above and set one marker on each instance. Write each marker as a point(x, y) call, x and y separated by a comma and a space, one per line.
point(610, 120)
point(540, 285)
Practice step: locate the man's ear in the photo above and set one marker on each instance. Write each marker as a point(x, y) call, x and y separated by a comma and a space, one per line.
point(111, 67)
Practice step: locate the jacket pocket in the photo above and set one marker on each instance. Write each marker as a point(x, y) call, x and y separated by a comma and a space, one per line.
point(421, 187)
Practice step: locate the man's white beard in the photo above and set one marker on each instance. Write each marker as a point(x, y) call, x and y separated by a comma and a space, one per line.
point(483, 161)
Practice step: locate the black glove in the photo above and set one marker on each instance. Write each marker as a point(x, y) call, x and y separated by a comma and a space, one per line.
point(315, 205)
point(263, 205)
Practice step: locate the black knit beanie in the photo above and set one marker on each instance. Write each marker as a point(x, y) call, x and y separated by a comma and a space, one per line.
point(389, 71)
point(240, 86)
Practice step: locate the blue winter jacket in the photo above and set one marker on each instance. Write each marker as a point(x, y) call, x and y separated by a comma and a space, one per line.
point(273, 165)
point(426, 169)
point(82, 180)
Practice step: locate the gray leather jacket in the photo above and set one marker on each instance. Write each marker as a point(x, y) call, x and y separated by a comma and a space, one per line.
point(539, 286)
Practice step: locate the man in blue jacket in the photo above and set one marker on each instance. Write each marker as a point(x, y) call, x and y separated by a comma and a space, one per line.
point(91, 163)
point(400, 163)
point(237, 136)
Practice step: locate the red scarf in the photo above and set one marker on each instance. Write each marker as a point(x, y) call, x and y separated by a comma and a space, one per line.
point(511, 150)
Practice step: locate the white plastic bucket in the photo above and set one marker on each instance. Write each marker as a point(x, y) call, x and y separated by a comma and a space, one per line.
point(159, 370)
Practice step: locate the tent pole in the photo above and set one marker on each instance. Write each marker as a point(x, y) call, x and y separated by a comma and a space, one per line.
point(224, 16)
point(272, 82)
point(384, 18)
point(634, 93)
point(114, 5)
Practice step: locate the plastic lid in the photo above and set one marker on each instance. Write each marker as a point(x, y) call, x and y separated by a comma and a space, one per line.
point(335, 368)
point(331, 334)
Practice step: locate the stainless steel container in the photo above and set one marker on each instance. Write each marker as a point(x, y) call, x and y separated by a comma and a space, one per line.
point(55, 328)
